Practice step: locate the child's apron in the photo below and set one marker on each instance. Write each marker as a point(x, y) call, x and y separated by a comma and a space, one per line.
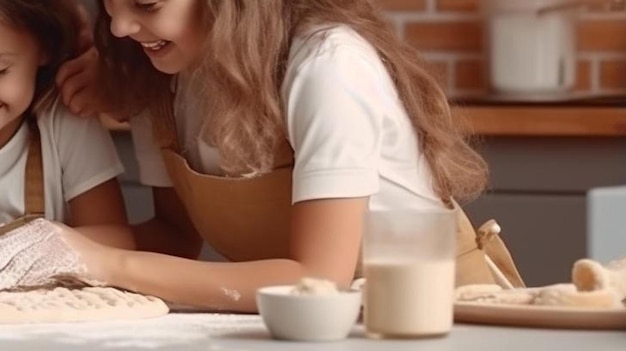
point(33, 182)
point(248, 219)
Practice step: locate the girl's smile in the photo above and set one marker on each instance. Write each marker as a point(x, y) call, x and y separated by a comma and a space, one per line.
point(157, 49)
point(170, 26)
point(20, 59)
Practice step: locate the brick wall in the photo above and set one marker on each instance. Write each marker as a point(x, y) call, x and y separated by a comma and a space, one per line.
point(448, 33)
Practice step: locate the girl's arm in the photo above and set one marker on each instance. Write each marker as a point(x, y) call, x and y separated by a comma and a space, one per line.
point(326, 236)
point(170, 231)
point(100, 215)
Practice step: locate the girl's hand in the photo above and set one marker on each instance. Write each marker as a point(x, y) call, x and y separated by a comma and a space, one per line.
point(43, 253)
point(98, 260)
point(77, 80)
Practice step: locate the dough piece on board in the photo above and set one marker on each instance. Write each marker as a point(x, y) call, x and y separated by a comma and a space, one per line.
point(491, 293)
point(568, 296)
point(76, 305)
point(565, 295)
point(589, 275)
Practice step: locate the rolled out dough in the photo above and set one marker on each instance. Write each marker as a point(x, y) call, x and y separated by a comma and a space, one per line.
point(60, 304)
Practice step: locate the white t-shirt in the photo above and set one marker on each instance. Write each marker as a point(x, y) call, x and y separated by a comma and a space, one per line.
point(350, 133)
point(78, 154)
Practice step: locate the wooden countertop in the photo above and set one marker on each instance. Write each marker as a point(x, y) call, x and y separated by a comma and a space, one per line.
point(524, 121)
point(545, 120)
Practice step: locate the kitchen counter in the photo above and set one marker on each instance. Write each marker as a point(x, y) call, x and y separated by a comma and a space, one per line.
point(523, 120)
point(571, 115)
point(189, 331)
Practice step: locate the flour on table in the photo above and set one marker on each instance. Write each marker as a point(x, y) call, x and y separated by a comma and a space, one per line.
point(177, 331)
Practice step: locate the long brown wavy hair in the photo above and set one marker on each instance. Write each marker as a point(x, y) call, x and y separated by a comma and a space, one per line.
point(55, 25)
point(247, 47)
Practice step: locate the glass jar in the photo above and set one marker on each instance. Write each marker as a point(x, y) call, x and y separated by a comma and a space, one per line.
point(530, 51)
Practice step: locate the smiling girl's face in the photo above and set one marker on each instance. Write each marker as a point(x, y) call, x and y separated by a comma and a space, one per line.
point(169, 31)
point(20, 59)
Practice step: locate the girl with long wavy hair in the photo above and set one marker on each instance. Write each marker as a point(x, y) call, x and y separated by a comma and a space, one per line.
point(268, 128)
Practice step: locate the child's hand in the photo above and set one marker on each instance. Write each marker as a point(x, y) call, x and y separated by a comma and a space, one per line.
point(78, 84)
point(77, 79)
point(97, 259)
point(43, 253)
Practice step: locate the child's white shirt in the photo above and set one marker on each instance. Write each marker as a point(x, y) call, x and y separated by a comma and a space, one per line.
point(349, 130)
point(78, 155)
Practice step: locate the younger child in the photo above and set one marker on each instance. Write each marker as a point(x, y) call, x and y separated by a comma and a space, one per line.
point(52, 164)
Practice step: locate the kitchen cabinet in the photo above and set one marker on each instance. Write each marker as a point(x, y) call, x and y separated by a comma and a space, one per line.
point(544, 232)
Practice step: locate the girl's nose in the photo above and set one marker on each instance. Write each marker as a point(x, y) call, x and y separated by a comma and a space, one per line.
point(124, 25)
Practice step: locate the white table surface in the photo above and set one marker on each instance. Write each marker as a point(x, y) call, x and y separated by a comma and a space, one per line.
point(190, 331)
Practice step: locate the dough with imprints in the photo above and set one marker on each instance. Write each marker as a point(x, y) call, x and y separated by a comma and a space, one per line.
point(60, 304)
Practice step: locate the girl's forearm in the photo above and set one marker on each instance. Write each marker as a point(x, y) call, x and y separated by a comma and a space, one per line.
point(117, 236)
point(156, 235)
point(210, 285)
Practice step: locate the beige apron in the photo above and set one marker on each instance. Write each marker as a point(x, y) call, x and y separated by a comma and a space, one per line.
point(249, 218)
point(34, 184)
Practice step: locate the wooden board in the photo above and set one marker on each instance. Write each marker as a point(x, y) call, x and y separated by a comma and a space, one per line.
point(540, 316)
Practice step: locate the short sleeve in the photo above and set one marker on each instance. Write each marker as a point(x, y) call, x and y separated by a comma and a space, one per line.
point(334, 117)
point(86, 152)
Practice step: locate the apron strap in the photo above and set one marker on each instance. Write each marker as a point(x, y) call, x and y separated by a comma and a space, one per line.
point(34, 203)
point(18, 223)
point(495, 253)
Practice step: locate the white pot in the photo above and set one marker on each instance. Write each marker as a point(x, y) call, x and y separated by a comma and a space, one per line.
point(530, 52)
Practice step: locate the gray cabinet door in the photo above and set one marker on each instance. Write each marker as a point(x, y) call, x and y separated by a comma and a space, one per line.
point(545, 233)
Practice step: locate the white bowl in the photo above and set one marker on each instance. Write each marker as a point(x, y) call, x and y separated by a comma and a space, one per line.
point(308, 317)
